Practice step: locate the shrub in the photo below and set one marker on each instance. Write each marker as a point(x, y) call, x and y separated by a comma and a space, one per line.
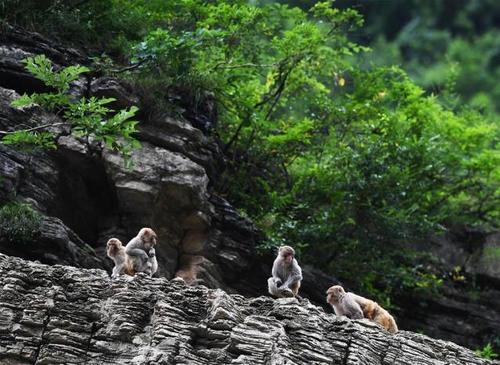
point(19, 223)
point(487, 352)
point(88, 118)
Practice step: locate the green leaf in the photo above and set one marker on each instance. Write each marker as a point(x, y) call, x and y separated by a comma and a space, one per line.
point(22, 101)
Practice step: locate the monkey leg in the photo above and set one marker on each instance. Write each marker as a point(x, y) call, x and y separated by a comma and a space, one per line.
point(148, 269)
point(295, 288)
point(115, 272)
point(286, 293)
point(273, 287)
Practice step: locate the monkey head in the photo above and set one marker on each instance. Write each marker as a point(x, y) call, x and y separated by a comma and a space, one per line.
point(148, 238)
point(334, 293)
point(113, 245)
point(287, 254)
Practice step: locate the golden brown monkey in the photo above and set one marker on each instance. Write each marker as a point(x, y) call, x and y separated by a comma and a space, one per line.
point(116, 252)
point(357, 307)
point(376, 313)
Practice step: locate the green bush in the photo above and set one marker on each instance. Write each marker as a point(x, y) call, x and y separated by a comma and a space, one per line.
point(19, 223)
point(88, 118)
point(487, 352)
point(388, 167)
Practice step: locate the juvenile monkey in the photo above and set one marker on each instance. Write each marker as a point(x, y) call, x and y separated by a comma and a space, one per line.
point(141, 252)
point(356, 307)
point(116, 252)
point(286, 274)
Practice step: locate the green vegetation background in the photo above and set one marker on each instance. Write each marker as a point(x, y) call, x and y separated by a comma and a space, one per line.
point(351, 140)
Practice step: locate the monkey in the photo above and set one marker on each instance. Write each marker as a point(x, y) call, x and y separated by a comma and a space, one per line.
point(286, 274)
point(152, 260)
point(116, 252)
point(141, 252)
point(376, 313)
point(357, 307)
point(343, 303)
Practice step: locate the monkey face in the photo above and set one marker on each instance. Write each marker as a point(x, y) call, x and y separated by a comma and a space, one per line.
point(287, 254)
point(334, 293)
point(113, 245)
point(329, 296)
point(148, 237)
point(287, 257)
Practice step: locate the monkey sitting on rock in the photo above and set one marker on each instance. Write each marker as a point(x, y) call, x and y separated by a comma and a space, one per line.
point(138, 256)
point(116, 252)
point(141, 252)
point(356, 307)
point(286, 274)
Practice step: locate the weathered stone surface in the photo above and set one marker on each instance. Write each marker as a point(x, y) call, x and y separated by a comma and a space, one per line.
point(486, 261)
point(461, 316)
point(107, 87)
point(55, 244)
point(179, 136)
point(63, 315)
point(17, 44)
point(466, 310)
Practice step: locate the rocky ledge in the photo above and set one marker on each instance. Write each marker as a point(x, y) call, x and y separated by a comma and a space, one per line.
point(67, 315)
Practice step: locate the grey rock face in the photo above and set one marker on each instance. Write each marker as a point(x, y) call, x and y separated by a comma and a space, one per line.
point(56, 244)
point(467, 311)
point(486, 261)
point(63, 315)
point(17, 44)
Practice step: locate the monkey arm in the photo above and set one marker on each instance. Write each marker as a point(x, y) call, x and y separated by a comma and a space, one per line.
point(152, 252)
point(137, 252)
point(275, 272)
point(292, 279)
point(294, 276)
point(116, 272)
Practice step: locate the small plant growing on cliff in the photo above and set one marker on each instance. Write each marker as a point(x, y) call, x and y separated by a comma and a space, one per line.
point(19, 223)
point(88, 118)
point(487, 352)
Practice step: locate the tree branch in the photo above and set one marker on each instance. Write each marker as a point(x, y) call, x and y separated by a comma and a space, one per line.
point(243, 65)
point(129, 68)
point(235, 135)
point(34, 128)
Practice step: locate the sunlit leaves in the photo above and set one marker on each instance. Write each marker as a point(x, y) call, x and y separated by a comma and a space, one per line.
point(28, 141)
point(87, 117)
point(41, 67)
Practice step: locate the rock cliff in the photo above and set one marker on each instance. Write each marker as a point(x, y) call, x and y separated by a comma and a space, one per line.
point(65, 315)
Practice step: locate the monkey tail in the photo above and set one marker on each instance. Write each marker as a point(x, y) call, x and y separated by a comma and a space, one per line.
point(129, 269)
point(392, 327)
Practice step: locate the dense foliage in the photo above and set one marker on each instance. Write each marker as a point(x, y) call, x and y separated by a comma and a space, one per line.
point(88, 118)
point(349, 162)
point(19, 223)
point(487, 352)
